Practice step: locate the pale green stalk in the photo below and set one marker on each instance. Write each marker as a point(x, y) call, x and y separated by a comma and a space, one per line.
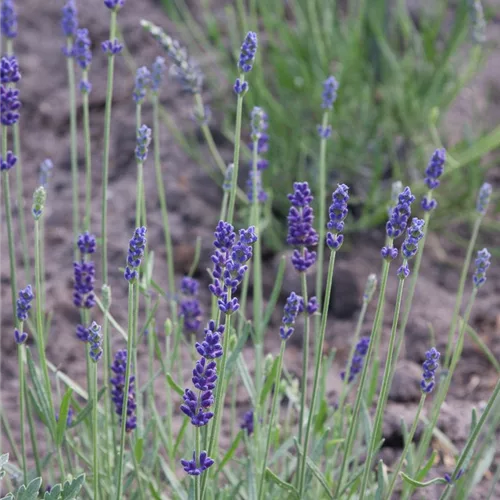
point(384, 391)
point(318, 360)
point(130, 347)
point(33, 438)
point(322, 221)
point(197, 450)
point(236, 159)
point(271, 419)
point(409, 440)
point(22, 405)
point(472, 439)
point(351, 435)
point(163, 205)
point(461, 286)
point(140, 486)
point(95, 432)
point(88, 156)
point(70, 66)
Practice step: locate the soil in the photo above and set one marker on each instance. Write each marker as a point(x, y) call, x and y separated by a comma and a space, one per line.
point(193, 203)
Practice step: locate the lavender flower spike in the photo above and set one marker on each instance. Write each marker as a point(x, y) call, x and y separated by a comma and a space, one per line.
point(82, 49)
point(8, 19)
point(211, 347)
point(135, 254)
point(143, 141)
point(23, 303)
point(119, 368)
point(157, 71)
point(429, 366)
point(337, 213)
point(190, 309)
point(9, 162)
point(142, 82)
point(95, 339)
point(483, 198)
point(410, 245)
point(400, 214)
point(291, 310)
point(9, 105)
point(433, 172)
point(86, 243)
point(69, 20)
point(482, 263)
point(300, 230)
point(39, 198)
point(114, 5)
point(248, 51)
point(247, 423)
point(20, 337)
point(9, 70)
point(194, 467)
point(330, 87)
point(357, 359)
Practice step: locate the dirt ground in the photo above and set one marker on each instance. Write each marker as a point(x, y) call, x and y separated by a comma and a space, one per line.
point(193, 203)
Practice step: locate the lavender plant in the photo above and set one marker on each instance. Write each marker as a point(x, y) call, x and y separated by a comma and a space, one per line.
point(188, 441)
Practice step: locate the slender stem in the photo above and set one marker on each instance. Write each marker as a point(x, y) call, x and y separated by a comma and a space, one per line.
point(163, 205)
point(137, 470)
point(322, 182)
point(197, 450)
point(317, 369)
point(33, 437)
point(274, 405)
point(88, 157)
point(351, 434)
point(105, 162)
point(70, 64)
point(305, 361)
point(130, 335)
point(95, 432)
point(409, 440)
point(236, 159)
point(460, 293)
point(22, 405)
point(384, 391)
point(10, 235)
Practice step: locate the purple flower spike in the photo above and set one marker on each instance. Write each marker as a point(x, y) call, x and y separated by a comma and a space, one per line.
point(337, 213)
point(114, 4)
point(482, 263)
point(136, 249)
point(69, 20)
point(23, 303)
point(111, 47)
point(190, 309)
point(119, 368)
point(20, 337)
point(82, 49)
point(429, 366)
point(9, 162)
point(142, 83)
point(357, 359)
point(247, 422)
point(435, 168)
point(483, 198)
point(9, 70)
point(82, 333)
point(86, 243)
point(195, 408)
point(205, 375)
point(291, 310)
point(389, 253)
point(157, 71)
point(330, 87)
point(248, 51)
point(195, 469)
point(83, 291)
point(211, 347)
point(9, 106)
point(143, 141)
point(400, 214)
point(8, 19)
point(414, 234)
point(95, 340)
point(240, 87)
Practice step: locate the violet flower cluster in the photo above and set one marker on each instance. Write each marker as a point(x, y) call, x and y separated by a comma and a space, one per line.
point(410, 245)
point(398, 220)
point(183, 68)
point(9, 95)
point(142, 143)
point(483, 198)
point(229, 260)
point(482, 263)
point(119, 368)
point(157, 72)
point(189, 305)
point(247, 422)
point(69, 20)
point(300, 229)
point(8, 19)
point(82, 54)
point(23, 305)
point(260, 142)
point(245, 61)
point(291, 310)
point(433, 172)
point(84, 273)
point(429, 366)
point(114, 5)
point(91, 335)
point(136, 248)
point(142, 83)
point(337, 214)
point(310, 308)
point(329, 95)
point(195, 467)
point(357, 360)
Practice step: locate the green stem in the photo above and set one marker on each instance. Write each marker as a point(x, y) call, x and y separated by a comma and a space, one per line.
point(351, 435)
point(137, 470)
point(317, 369)
point(33, 437)
point(22, 405)
point(105, 162)
point(197, 451)
point(10, 234)
point(384, 391)
point(271, 419)
point(70, 64)
point(95, 432)
point(163, 205)
point(236, 159)
point(88, 158)
point(409, 440)
point(460, 293)
point(130, 336)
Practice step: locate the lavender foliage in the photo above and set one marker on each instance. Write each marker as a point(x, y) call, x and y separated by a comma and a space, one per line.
point(300, 229)
point(8, 19)
point(429, 366)
point(118, 381)
point(136, 248)
point(357, 360)
point(337, 214)
point(23, 303)
point(482, 263)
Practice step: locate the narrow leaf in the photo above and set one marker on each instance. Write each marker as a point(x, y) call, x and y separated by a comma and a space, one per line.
point(176, 387)
point(231, 451)
point(266, 389)
point(419, 484)
point(139, 449)
point(172, 479)
point(270, 475)
point(63, 416)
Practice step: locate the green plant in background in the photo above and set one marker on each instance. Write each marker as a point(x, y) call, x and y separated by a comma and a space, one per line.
point(398, 72)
